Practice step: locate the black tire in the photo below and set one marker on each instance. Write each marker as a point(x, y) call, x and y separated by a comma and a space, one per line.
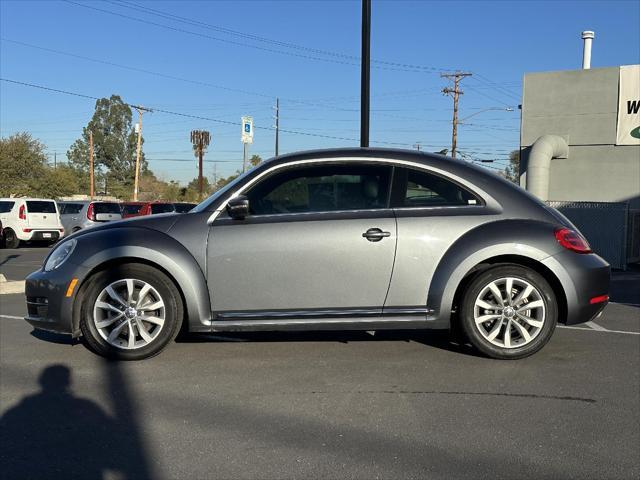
point(173, 311)
point(472, 331)
point(11, 240)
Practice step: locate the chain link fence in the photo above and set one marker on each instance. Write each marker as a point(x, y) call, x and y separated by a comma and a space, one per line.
point(612, 229)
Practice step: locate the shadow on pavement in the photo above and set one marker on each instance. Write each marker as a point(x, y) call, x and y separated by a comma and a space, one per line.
point(437, 338)
point(55, 434)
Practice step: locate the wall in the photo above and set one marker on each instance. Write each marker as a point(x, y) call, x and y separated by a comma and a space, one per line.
point(581, 106)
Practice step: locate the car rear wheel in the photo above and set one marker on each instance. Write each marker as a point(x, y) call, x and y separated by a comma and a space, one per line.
point(130, 312)
point(509, 312)
point(11, 240)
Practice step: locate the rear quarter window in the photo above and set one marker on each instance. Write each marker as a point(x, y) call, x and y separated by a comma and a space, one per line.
point(5, 207)
point(36, 206)
point(417, 188)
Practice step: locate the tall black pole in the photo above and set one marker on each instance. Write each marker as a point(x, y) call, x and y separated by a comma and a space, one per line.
point(277, 125)
point(365, 75)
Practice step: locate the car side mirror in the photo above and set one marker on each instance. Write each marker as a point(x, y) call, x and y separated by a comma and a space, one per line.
point(238, 207)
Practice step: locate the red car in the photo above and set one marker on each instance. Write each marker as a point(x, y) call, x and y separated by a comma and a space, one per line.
point(139, 209)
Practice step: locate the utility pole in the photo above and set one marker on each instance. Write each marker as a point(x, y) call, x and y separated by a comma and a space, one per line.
point(417, 146)
point(91, 192)
point(455, 92)
point(138, 150)
point(365, 73)
point(200, 140)
point(277, 124)
point(55, 160)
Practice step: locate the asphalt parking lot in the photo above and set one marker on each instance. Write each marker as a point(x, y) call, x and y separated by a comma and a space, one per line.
point(321, 405)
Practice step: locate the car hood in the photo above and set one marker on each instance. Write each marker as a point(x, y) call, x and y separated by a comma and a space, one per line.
point(160, 222)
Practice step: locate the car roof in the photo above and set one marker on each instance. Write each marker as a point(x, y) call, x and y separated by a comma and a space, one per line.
point(18, 199)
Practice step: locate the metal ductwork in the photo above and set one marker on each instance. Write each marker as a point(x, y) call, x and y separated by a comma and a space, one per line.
point(543, 150)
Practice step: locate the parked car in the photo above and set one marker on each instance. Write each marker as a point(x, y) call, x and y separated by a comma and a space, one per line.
point(183, 207)
point(139, 209)
point(1, 235)
point(357, 239)
point(77, 215)
point(29, 219)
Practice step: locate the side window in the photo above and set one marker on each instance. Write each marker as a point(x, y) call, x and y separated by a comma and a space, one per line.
point(417, 188)
point(70, 208)
point(322, 189)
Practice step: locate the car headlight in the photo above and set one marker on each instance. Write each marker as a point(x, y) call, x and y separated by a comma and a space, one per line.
point(60, 255)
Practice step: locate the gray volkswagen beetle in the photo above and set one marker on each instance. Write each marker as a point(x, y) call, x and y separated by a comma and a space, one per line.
point(351, 239)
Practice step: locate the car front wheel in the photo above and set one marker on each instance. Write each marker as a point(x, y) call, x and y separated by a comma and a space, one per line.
point(130, 312)
point(509, 312)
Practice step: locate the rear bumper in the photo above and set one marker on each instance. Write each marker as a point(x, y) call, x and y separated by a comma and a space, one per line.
point(40, 235)
point(48, 307)
point(583, 277)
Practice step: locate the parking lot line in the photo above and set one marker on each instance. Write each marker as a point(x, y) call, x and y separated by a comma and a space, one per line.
point(595, 326)
point(11, 317)
point(604, 330)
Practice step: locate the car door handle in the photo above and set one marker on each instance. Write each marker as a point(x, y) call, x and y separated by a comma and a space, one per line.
point(375, 234)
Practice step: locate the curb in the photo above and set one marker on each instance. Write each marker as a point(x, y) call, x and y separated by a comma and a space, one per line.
point(7, 288)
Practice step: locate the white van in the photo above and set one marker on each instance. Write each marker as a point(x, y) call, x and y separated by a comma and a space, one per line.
point(26, 219)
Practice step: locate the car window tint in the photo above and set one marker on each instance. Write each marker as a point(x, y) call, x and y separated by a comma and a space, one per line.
point(162, 208)
point(131, 209)
point(100, 207)
point(183, 207)
point(37, 206)
point(422, 189)
point(5, 207)
point(70, 208)
point(321, 189)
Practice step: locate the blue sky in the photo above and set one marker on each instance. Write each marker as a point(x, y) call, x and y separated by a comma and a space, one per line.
point(233, 58)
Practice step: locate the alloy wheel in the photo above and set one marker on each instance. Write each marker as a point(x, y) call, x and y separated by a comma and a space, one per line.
point(129, 313)
point(509, 312)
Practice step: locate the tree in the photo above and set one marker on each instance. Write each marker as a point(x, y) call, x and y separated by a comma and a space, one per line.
point(512, 171)
point(59, 182)
point(255, 160)
point(114, 145)
point(23, 165)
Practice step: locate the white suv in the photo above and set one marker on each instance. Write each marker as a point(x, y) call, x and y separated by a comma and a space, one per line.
point(26, 219)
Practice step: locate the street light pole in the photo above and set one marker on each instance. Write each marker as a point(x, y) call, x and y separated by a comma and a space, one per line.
point(500, 109)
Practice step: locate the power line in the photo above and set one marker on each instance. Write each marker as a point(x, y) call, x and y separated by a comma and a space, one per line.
point(233, 42)
point(330, 53)
point(198, 117)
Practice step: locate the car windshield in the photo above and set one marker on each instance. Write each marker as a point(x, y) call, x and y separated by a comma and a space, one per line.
point(183, 207)
point(162, 208)
point(5, 207)
point(70, 208)
point(106, 208)
point(37, 206)
point(204, 205)
point(131, 209)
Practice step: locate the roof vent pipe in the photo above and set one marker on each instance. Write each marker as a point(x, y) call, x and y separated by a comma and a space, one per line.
point(587, 36)
point(543, 150)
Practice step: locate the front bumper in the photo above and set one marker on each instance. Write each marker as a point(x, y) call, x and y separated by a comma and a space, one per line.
point(48, 307)
point(583, 277)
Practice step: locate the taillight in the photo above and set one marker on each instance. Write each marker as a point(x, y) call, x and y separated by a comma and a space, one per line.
point(22, 213)
point(572, 240)
point(90, 213)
